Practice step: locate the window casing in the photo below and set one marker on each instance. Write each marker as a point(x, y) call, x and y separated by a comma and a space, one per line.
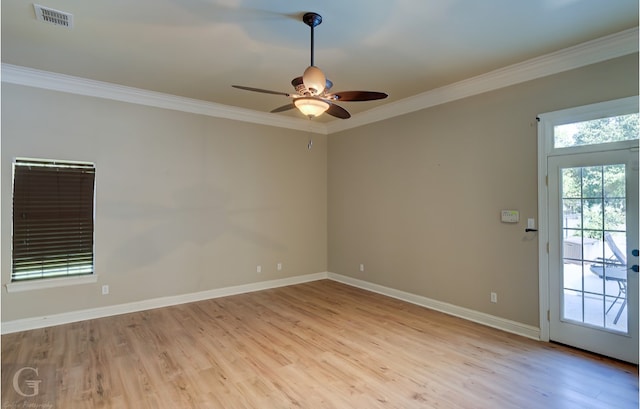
point(53, 219)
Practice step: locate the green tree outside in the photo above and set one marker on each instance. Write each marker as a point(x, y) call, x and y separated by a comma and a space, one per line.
point(594, 197)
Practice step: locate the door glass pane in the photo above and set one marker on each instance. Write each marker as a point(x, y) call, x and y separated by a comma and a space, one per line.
point(594, 275)
point(612, 129)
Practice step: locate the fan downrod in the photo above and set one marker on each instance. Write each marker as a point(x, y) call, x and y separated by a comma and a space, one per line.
point(312, 19)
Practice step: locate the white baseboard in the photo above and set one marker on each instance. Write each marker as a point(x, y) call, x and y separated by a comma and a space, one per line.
point(461, 312)
point(75, 316)
point(100, 312)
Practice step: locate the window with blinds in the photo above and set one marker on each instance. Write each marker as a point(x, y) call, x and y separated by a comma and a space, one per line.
point(53, 209)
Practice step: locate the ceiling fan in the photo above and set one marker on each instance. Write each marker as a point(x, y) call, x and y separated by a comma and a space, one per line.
point(313, 96)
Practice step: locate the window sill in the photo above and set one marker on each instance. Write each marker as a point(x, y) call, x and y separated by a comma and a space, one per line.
point(51, 283)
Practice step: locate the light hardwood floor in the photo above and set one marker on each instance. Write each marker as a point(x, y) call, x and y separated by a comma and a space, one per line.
point(316, 345)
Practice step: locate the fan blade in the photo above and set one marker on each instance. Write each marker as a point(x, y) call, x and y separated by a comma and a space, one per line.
point(338, 112)
point(358, 95)
point(283, 108)
point(264, 91)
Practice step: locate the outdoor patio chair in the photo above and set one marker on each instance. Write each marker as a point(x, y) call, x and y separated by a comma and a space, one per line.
point(614, 269)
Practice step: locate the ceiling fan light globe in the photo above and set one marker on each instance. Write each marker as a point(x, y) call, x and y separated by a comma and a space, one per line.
point(311, 107)
point(314, 80)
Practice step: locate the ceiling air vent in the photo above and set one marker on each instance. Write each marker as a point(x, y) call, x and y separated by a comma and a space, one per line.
point(57, 17)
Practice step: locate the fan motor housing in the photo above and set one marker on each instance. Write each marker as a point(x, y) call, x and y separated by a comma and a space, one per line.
point(298, 84)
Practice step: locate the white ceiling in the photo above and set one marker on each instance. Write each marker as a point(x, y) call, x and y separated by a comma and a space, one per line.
point(198, 48)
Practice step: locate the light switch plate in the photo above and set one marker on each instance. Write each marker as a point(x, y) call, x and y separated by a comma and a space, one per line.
point(510, 216)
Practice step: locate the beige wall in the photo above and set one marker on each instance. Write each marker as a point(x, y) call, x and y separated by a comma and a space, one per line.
point(184, 203)
point(417, 198)
point(188, 203)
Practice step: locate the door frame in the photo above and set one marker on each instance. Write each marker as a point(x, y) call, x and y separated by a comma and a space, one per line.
point(546, 124)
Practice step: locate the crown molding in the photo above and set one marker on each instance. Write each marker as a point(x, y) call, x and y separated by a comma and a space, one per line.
point(591, 52)
point(31, 77)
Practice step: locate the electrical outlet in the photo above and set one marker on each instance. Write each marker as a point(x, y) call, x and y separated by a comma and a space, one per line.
point(494, 297)
point(279, 266)
point(105, 289)
point(361, 267)
point(259, 269)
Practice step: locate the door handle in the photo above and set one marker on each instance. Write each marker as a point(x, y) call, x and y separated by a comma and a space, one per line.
point(635, 252)
point(635, 268)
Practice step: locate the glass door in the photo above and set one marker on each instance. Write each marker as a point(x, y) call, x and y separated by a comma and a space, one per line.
point(593, 220)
